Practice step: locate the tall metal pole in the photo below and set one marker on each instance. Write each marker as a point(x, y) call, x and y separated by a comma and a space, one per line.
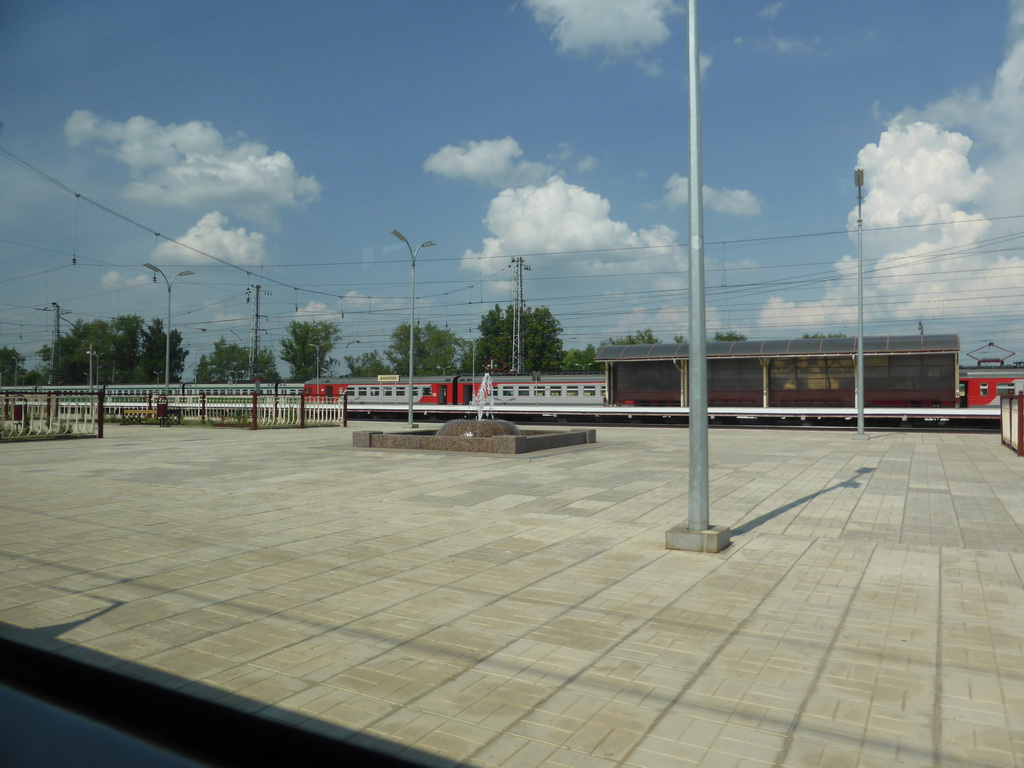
point(858, 179)
point(412, 313)
point(697, 534)
point(317, 347)
point(698, 402)
point(518, 313)
point(167, 330)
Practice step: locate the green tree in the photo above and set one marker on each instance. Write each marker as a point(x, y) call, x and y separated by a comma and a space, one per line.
point(12, 370)
point(368, 364)
point(580, 359)
point(153, 354)
point(85, 345)
point(646, 336)
point(230, 362)
point(307, 348)
point(823, 336)
point(729, 336)
point(120, 361)
point(542, 338)
point(438, 351)
point(266, 366)
point(122, 350)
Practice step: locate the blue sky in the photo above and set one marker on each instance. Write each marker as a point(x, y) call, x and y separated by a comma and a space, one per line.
point(282, 142)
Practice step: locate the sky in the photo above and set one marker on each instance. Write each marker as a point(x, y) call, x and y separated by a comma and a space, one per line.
point(277, 145)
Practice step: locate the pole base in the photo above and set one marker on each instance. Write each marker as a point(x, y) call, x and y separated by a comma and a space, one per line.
point(714, 539)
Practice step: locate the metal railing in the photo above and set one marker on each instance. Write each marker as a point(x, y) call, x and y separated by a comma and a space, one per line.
point(50, 415)
point(244, 410)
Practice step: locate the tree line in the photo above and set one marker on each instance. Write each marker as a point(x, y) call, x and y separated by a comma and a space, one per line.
point(129, 350)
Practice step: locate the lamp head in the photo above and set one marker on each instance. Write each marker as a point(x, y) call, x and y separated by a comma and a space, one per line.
point(399, 235)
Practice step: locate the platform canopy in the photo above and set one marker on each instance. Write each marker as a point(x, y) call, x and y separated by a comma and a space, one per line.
point(846, 345)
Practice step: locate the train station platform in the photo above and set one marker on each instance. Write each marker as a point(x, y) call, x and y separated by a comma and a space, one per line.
point(521, 611)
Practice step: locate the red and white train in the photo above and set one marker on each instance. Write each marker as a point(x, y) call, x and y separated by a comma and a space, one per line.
point(563, 389)
point(980, 387)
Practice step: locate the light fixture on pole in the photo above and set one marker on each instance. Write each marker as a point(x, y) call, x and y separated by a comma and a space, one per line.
point(412, 311)
point(858, 179)
point(170, 282)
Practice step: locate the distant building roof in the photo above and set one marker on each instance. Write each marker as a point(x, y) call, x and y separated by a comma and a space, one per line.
point(846, 345)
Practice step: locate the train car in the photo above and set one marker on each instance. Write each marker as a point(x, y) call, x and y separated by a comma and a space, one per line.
point(899, 371)
point(538, 389)
point(983, 386)
point(137, 391)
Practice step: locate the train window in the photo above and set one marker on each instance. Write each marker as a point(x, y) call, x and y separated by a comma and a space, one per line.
point(572, 392)
point(524, 391)
point(589, 392)
point(556, 391)
point(374, 391)
point(506, 391)
point(983, 389)
point(361, 391)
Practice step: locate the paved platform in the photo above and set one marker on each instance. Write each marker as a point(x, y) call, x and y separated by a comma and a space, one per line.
point(523, 611)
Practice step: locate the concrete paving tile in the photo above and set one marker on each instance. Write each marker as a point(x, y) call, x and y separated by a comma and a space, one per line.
point(508, 751)
point(526, 613)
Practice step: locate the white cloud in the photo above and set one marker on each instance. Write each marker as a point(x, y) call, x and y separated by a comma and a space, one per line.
point(114, 280)
point(791, 45)
point(771, 11)
point(194, 165)
point(937, 180)
point(211, 236)
point(312, 308)
point(922, 260)
point(734, 202)
point(494, 162)
point(611, 27)
point(559, 217)
point(917, 174)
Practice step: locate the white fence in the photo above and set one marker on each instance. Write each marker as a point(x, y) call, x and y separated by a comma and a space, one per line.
point(247, 411)
point(49, 415)
point(1011, 422)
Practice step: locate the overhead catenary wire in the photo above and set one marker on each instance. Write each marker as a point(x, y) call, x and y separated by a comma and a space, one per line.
point(603, 305)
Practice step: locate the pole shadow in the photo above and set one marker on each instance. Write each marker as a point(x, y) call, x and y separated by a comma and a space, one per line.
point(762, 519)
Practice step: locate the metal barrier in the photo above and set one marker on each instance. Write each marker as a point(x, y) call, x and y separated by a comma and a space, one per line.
point(51, 415)
point(246, 411)
point(1011, 422)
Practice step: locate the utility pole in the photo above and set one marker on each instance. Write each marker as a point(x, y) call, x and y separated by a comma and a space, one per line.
point(55, 340)
point(518, 312)
point(254, 292)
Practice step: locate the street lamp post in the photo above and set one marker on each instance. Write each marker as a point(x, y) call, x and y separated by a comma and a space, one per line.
point(412, 311)
point(167, 359)
point(92, 356)
point(317, 348)
point(858, 180)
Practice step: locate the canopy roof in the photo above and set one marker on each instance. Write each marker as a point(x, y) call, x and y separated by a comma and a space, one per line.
point(846, 345)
